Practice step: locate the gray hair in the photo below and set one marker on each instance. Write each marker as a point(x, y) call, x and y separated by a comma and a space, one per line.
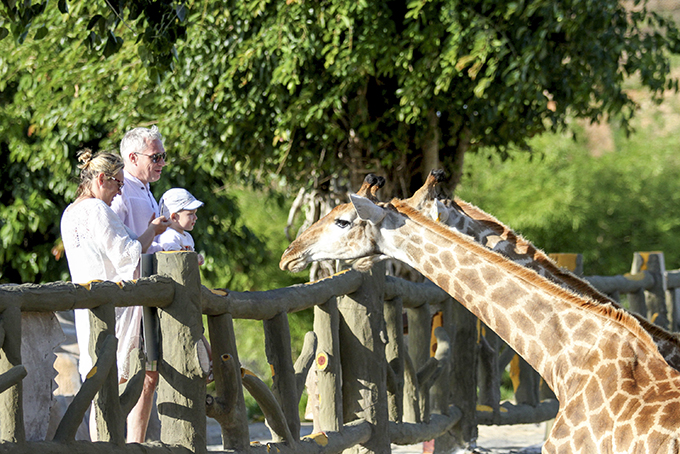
point(136, 140)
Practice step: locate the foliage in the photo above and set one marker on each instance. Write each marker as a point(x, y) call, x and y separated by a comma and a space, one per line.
point(345, 87)
point(296, 92)
point(604, 203)
point(158, 25)
point(56, 98)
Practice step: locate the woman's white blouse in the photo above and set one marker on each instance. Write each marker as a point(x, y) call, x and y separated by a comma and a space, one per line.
point(97, 243)
point(98, 246)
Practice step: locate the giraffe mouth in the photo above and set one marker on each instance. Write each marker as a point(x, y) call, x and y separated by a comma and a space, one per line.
point(292, 264)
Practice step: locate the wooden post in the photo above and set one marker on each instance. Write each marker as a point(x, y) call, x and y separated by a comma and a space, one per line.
point(673, 298)
point(11, 403)
point(655, 298)
point(572, 262)
point(419, 336)
point(362, 343)
point(181, 389)
point(228, 388)
point(463, 383)
point(489, 375)
point(108, 413)
point(441, 391)
point(279, 356)
point(327, 366)
point(394, 354)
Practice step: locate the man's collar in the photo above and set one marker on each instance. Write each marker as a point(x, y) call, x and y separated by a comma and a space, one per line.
point(135, 180)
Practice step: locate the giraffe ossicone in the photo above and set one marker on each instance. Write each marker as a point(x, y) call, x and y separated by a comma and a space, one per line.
point(617, 393)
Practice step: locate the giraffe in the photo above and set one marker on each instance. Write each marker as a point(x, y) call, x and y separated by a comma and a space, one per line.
point(492, 233)
point(617, 394)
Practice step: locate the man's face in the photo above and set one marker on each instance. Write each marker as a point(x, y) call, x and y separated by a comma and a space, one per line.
point(142, 164)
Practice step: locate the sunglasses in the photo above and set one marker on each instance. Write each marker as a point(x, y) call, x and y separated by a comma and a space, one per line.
point(155, 157)
point(118, 182)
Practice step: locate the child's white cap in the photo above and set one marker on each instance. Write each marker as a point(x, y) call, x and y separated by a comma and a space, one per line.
point(177, 199)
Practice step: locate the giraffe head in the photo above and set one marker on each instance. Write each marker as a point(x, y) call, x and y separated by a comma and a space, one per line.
point(427, 191)
point(341, 234)
point(426, 201)
point(348, 232)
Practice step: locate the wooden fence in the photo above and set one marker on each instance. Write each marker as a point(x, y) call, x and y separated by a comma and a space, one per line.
point(378, 383)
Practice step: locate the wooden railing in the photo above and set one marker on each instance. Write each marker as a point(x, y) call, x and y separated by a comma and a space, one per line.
point(379, 382)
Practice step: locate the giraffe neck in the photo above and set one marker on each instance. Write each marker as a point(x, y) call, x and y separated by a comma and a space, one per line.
point(492, 233)
point(554, 329)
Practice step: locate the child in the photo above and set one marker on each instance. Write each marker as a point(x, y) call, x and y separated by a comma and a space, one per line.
point(179, 206)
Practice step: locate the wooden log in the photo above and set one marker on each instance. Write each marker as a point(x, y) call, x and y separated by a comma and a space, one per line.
point(655, 295)
point(327, 367)
point(131, 390)
point(673, 279)
point(408, 433)
point(11, 402)
point(228, 407)
point(342, 441)
point(284, 381)
point(12, 377)
point(419, 329)
point(489, 375)
point(394, 351)
point(109, 419)
point(362, 343)
point(414, 294)
point(265, 305)
point(276, 419)
point(181, 389)
point(622, 283)
point(528, 389)
point(304, 362)
point(521, 414)
point(463, 384)
point(86, 447)
point(64, 296)
point(674, 301)
point(411, 405)
point(96, 378)
point(440, 392)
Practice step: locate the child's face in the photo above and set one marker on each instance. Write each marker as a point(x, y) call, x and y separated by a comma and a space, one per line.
point(185, 219)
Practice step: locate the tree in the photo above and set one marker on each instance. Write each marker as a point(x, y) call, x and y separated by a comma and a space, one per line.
point(159, 25)
point(397, 88)
point(58, 96)
point(313, 94)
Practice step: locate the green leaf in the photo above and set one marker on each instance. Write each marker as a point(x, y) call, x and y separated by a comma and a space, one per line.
point(41, 32)
point(3, 33)
point(63, 6)
point(95, 19)
point(112, 45)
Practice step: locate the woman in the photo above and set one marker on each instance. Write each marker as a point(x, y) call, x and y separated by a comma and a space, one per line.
point(99, 246)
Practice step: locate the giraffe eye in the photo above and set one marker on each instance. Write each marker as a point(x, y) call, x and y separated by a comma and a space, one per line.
point(342, 223)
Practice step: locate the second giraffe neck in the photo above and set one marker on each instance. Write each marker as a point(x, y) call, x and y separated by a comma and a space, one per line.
point(555, 330)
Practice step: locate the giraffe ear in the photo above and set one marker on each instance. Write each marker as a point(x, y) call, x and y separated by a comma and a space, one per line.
point(367, 210)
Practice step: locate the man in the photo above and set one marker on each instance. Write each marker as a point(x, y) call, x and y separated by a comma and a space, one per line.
point(144, 156)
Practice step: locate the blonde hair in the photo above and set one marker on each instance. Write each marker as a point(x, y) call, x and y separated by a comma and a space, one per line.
point(92, 164)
